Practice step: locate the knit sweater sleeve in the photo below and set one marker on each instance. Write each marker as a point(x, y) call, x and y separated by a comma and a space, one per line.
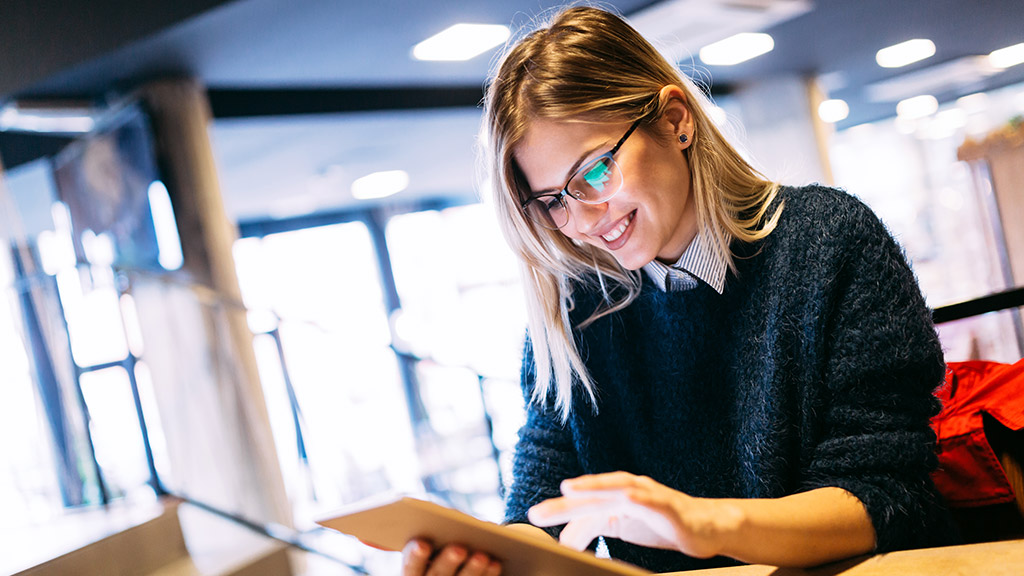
point(882, 362)
point(544, 456)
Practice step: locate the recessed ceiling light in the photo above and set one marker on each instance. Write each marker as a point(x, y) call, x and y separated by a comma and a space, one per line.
point(833, 111)
point(1006, 57)
point(973, 103)
point(917, 107)
point(380, 184)
point(905, 53)
point(461, 42)
point(736, 49)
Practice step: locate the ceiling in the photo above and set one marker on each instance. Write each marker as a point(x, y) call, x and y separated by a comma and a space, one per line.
point(310, 94)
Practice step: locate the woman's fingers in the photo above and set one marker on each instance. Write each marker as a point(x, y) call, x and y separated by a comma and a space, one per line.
point(608, 481)
point(619, 505)
point(479, 564)
point(418, 559)
point(448, 561)
point(493, 569)
point(415, 557)
point(598, 494)
point(564, 509)
point(579, 533)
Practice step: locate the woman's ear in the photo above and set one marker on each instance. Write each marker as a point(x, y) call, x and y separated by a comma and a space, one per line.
point(676, 118)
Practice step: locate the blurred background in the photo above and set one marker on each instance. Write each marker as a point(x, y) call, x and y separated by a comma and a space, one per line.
point(247, 260)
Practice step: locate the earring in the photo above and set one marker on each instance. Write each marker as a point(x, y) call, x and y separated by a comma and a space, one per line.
point(683, 138)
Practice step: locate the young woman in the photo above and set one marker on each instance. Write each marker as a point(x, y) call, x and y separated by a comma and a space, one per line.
point(718, 368)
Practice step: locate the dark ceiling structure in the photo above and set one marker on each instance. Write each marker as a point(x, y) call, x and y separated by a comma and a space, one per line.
point(264, 60)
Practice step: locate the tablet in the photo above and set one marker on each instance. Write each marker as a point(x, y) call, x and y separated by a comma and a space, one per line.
point(391, 524)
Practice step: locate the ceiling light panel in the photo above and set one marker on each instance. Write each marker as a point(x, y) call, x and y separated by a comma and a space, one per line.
point(917, 107)
point(832, 111)
point(1007, 57)
point(679, 28)
point(461, 42)
point(905, 53)
point(380, 184)
point(735, 49)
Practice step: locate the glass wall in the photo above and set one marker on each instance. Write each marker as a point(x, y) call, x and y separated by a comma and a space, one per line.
point(349, 420)
point(940, 210)
point(463, 313)
point(72, 434)
point(328, 373)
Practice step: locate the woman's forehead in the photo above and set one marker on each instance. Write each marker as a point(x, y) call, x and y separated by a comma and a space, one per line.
point(549, 148)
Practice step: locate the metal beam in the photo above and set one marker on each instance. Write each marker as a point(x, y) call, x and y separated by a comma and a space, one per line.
point(236, 103)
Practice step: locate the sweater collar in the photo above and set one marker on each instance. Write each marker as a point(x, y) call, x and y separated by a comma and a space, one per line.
point(699, 262)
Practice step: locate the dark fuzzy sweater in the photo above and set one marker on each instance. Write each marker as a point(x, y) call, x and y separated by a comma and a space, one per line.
point(815, 368)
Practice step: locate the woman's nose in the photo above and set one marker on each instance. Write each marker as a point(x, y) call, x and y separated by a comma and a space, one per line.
point(586, 217)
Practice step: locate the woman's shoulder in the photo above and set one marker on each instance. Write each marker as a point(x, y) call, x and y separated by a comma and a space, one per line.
point(824, 212)
point(820, 201)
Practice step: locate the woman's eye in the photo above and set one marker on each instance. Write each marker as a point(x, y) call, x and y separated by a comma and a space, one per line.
point(598, 175)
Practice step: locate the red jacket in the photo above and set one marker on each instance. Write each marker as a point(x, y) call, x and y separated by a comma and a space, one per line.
point(969, 473)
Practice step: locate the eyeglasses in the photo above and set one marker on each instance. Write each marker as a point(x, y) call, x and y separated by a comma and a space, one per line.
point(595, 182)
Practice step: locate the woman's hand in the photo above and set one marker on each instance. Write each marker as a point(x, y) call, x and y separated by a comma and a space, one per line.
point(418, 559)
point(801, 530)
point(638, 510)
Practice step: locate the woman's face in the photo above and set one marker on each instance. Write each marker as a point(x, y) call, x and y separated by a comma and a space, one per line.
point(651, 216)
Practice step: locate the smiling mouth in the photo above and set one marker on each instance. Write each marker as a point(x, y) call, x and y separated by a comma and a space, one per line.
point(614, 234)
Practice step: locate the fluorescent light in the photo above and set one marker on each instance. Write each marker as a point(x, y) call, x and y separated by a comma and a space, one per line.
point(917, 107)
point(905, 53)
point(973, 103)
point(833, 111)
point(461, 42)
point(1006, 57)
point(46, 120)
point(380, 184)
point(736, 49)
point(168, 243)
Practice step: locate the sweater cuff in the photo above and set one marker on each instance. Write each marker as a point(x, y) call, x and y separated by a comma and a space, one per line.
point(902, 520)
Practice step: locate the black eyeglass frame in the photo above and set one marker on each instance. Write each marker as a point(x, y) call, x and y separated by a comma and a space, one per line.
point(561, 194)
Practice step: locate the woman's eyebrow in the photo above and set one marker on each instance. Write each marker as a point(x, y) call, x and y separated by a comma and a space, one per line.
point(572, 170)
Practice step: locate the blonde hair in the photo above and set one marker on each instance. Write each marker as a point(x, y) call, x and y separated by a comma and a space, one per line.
point(590, 65)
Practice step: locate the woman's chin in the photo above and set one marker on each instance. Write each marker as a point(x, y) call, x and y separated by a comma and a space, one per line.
point(630, 261)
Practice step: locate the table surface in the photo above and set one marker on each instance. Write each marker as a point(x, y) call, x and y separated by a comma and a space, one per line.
point(1004, 558)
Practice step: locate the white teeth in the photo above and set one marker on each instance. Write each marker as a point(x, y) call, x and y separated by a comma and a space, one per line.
point(614, 234)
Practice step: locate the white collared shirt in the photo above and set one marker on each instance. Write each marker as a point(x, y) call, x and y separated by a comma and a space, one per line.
point(699, 263)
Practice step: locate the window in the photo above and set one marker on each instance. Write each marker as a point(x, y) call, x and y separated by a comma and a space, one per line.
point(315, 301)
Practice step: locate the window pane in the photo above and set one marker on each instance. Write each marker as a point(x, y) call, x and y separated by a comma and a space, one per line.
point(320, 290)
point(29, 490)
point(940, 211)
point(463, 311)
point(458, 282)
point(114, 426)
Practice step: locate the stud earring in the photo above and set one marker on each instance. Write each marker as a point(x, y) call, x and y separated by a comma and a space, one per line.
point(683, 138)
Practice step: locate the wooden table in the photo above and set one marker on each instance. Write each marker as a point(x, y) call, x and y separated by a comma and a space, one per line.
point(1004, 558)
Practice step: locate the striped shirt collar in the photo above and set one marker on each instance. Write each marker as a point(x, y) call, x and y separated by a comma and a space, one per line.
point(698, 263)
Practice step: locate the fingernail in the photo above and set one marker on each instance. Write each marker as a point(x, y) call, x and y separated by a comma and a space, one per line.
point(416, 547)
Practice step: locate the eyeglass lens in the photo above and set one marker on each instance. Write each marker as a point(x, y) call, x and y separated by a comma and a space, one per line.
point(596, 182)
